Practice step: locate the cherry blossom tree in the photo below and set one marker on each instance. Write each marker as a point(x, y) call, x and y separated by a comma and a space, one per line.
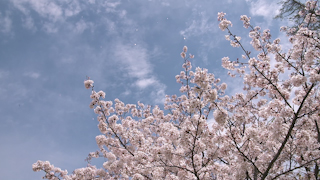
point(296, 12)
point(268, 131)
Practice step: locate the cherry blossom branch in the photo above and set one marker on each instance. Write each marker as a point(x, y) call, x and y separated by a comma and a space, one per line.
point(298, 167)
point(116, 135)
point(242, 154)
point(276, 156)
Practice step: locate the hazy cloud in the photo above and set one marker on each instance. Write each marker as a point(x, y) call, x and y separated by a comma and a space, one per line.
point(33, 75)
point(266, 8)
point(5, 23)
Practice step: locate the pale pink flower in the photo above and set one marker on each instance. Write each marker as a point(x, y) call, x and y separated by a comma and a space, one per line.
point(220, 116)
point(185, 49)
point(88, 84)
point(183, 55)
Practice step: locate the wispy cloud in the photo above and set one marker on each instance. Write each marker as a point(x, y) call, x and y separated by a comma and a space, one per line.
point(28, 23)
point(198, 28)
point(266, 8)
point(143, 83)
point(134, 59)
point(45, 8)
point(110, 6)
point(5, 23)
point(33, 75)
point(50, 28)
point(136, 63)
point(81, 26)
point(55, 14)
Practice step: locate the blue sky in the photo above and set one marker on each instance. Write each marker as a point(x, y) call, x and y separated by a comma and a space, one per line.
point(130, 48)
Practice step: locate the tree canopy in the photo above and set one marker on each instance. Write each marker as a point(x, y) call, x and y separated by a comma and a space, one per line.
point(296, 12)
point(268, 131)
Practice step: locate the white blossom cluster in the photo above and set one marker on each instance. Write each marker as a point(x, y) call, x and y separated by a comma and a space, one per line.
point(224, 23)
point(246, 21)
point(268, 131)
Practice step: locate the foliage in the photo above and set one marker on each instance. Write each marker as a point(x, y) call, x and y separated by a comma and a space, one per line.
point(268, 131)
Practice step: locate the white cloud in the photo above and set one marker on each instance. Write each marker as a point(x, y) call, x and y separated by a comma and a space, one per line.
point(3, 73)
point(111, 6)
point(54, 13)
point(44, 8)
point(199, 27)
point(266, 8)
point(68, 60)
point(135, 61)
point(72, 9)
point(81, 26)
point(165, 3)
point(159, 94)
point(50, 28)
point(33, 75)
point(210, 122)
point(5, 24)
point(126, 93)
point(29, 23)
point(143, 83)
point(92, 1)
